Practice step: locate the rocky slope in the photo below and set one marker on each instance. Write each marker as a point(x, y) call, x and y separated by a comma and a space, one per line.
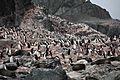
point(83, 11)
point(73, 8)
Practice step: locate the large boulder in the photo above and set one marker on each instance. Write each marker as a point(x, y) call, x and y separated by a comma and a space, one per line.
point(6, 7)
point(77, 67)
point(47, 74)
point(7, 73)
point(21, 53)
point(91, 78)
point(50, 63)
point(11, 66)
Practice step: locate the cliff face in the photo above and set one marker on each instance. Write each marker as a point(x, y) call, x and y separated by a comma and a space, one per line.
point(94, 11)
point(72, 8)
point(11, 11)
point(7, 7)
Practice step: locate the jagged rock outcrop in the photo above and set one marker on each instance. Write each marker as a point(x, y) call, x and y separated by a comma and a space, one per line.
point(73, 8)
point(54, 23)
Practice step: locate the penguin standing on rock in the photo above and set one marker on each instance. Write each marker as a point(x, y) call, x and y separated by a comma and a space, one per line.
point(11, 59)
point(36, 57)
point(1, 55)
point(63, 56)
point(9, 52)
point(32, 50)
point(69, 51)
point(47, 51)
point(72, 41)
point(70, 59)
point(19, 45)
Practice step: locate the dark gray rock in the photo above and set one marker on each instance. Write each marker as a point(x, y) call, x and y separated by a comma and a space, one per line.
point(38, 64)
point(117, 77)
point(7, 73)
point(51, 5)
point(21, 53)
point(101, 61)
point(7, 7)
point(50, 63)
point(21, 74)
point(114, 75)
point(91, 78)
point(53, 62)
point(77, 67)
point(11, 66)
point(12, 11)
point(95, 11)
point(47, 74)
point(48, 24)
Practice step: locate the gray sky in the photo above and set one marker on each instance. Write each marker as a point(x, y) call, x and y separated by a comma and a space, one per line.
point(113, 6)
